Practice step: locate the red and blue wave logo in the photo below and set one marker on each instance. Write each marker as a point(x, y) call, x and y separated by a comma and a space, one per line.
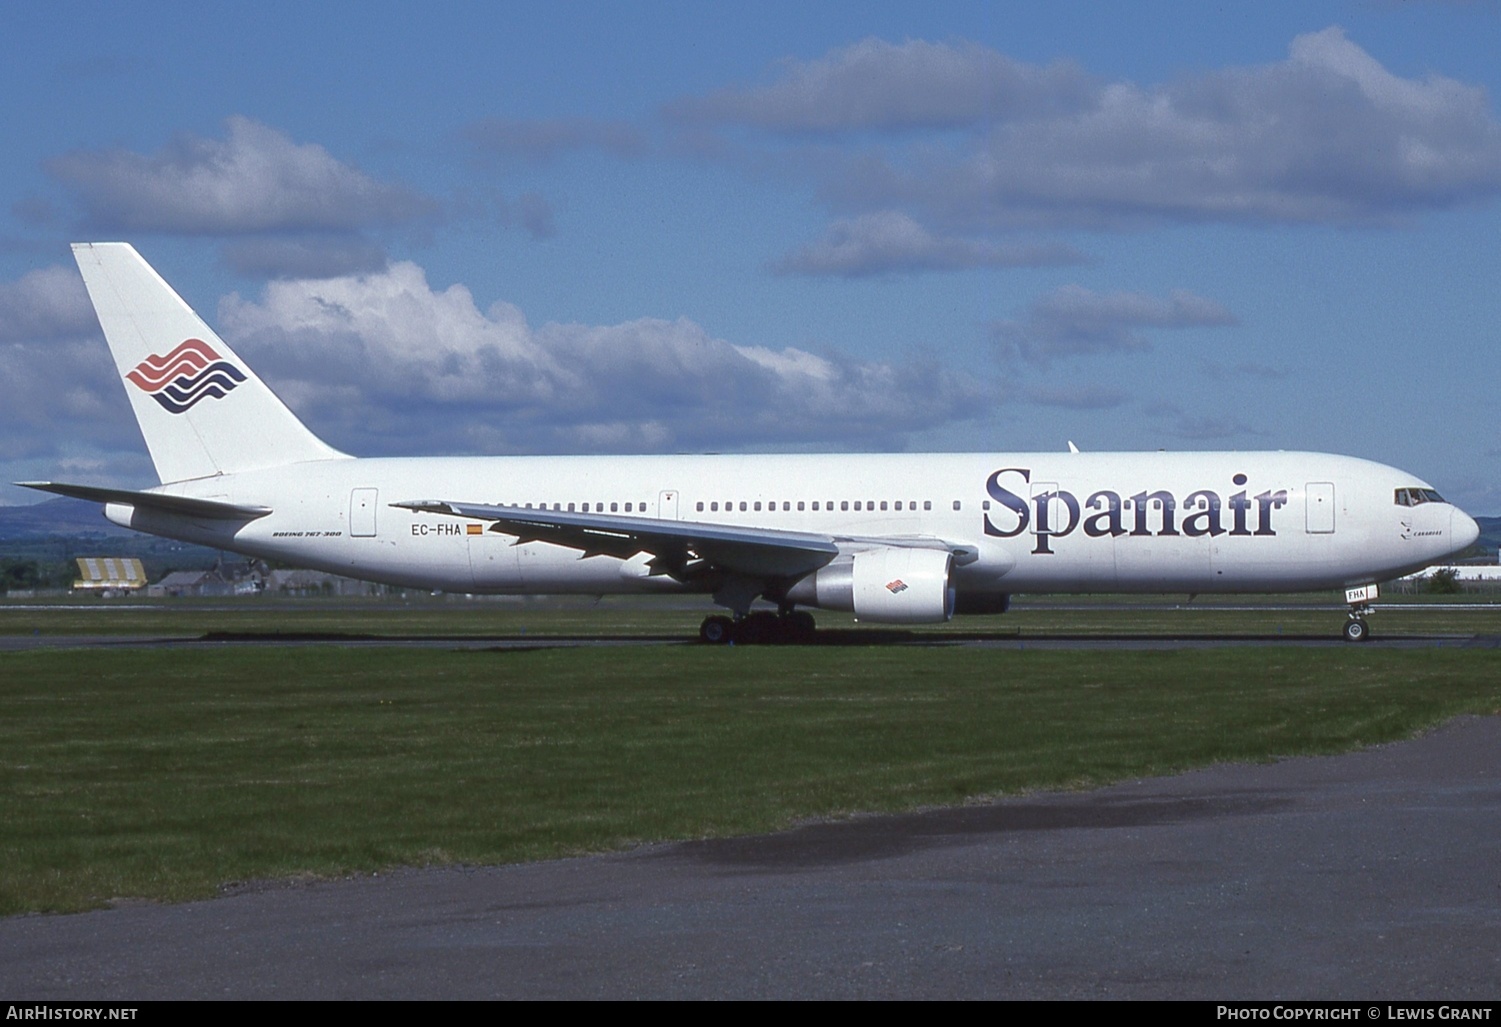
point(190, 373)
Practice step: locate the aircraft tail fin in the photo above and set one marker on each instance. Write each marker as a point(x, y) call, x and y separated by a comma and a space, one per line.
point(201, 409)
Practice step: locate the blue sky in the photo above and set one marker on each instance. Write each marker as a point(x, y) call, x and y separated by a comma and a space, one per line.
point(610, 227)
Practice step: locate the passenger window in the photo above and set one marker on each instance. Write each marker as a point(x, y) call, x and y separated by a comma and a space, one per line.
point(883, 504)
point(956, 504)
point(844, 504)
point(758, 504)
point(927, 504)
point(742, 506)
point(799, 506)
point(700, 507)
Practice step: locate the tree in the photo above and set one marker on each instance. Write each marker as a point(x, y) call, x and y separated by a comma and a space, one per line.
point(19, 574)
point(1444, 581)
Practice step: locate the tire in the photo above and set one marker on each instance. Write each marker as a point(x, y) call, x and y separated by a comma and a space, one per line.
point(757, 629)
point(716, 630)
point(800, 627)
point(1356, 631)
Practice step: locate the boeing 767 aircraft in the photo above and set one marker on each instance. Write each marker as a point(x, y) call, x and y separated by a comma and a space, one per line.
point(898, 539)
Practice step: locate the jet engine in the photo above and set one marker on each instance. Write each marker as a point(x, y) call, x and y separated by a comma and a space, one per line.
point(884, 586)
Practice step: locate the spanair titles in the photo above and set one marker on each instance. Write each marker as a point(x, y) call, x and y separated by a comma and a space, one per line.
point(1049, 512)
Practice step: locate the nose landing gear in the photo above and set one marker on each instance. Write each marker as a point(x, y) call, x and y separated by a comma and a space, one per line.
point(1355, 629)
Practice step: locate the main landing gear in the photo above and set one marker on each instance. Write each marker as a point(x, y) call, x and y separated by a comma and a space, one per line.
point(1355, 629)
point(793, 627)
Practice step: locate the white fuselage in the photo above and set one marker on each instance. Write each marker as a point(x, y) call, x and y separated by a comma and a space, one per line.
point(1037, 522)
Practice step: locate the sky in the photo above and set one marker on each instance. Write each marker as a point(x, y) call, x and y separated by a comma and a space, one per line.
point(514, 228)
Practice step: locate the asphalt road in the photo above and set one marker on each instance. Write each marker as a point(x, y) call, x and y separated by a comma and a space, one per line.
point(894, 637)
point(1375, 875)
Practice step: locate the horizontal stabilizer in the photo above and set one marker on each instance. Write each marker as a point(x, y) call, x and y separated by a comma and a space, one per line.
point(212, 509)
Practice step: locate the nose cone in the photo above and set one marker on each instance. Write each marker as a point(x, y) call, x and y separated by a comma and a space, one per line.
point(1463, 530)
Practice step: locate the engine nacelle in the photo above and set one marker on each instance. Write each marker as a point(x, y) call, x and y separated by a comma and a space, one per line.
point(885, 586)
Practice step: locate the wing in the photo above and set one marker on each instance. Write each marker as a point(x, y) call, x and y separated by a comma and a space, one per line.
point(678, 548)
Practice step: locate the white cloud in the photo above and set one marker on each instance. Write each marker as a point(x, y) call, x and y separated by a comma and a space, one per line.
point(890, 242)
point(543, 140)
point(1074, 321)
point(254, 180)
point(876, 85)
point(965, 137)
point(63, 400)
point(304, 256)
point(383, 363)
point(49, 303)
point(1201, 427)
point(1077, 397)
point(1245, 369)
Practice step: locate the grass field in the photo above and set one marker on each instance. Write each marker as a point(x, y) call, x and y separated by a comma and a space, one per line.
point(1318, 616)
point(165, 774)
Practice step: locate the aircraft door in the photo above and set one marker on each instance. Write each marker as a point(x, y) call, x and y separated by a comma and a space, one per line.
point(362, 505)
point(667, 505)
point(1046, 508)
point(1320, 498)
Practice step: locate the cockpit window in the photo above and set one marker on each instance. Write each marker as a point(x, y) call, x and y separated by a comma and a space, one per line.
point(1413, 497)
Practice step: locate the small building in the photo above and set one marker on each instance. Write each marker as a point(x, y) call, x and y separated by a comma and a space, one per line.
point(191, 583)
point(109, 575)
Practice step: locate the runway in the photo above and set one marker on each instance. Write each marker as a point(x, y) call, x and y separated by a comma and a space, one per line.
point(826, 638)
point(1366, 876)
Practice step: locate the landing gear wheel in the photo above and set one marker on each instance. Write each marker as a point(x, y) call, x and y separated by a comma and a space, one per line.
point(800, 628)
point(757, 629)
point(1355, 630)
point(716, 630)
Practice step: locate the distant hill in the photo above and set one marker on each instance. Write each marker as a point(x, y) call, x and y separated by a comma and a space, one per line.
point(57, 517)
point(55, 533)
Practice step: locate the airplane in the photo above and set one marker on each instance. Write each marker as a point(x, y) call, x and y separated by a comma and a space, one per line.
point(891, 538)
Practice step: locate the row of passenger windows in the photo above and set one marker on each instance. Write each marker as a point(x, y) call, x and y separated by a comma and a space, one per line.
point(752, 505)
point(597, 507)
point(817, 505)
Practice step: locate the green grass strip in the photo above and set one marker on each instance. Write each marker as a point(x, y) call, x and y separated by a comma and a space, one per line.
point(165, 774)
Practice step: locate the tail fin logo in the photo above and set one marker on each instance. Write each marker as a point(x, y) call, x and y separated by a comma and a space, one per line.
point(191, 372)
